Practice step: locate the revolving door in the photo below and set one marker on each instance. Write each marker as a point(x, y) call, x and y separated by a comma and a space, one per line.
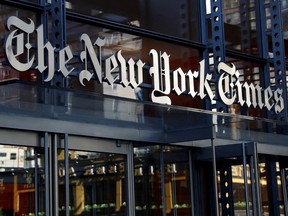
point(247, 181)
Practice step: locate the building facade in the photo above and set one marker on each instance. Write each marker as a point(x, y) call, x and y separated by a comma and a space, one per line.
point(143, 107)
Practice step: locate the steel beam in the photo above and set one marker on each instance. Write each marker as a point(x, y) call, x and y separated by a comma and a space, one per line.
point(226, 190)
point(278, 58)
point(218, 47)
point(273, 187)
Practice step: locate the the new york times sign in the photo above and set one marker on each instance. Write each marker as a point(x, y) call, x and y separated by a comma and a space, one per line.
point(229, 88)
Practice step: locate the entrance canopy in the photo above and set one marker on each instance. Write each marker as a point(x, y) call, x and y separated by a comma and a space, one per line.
point(81, 113)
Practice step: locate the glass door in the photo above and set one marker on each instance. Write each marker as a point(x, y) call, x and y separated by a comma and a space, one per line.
point(98, 183)
point(22, 188)
point(60, 174)
point(162, 181)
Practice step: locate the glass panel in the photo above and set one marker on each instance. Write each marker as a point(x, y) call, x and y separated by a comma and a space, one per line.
point(132, 47)
point(18, 167)
point(239, 189)
point(177, 185)
point(7, 73)
point(271, 196)
point(177, 18)
point(251, 73)
point(240, 25)
point(97, 184)
point(284, 17)
point(149, 177)
point(148, 186)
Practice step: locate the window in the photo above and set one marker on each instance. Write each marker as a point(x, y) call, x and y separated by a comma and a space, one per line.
point(2, 154)
point(13, 156)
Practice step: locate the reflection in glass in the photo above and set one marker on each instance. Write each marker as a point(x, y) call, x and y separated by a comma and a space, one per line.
point(177, 185)
point(97, 184)
point(148, 187)
point(284, 16)
point(18, 167)
point(250, 72)
point(7, 73)
point(132, 47)
point(176, 18)
point(153, 178)
point(240, 26)
point(232, 187)
point(239, 188)
point(268, 191)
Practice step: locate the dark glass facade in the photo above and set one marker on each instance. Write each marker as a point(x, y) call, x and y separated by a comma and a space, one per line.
point(143, 107)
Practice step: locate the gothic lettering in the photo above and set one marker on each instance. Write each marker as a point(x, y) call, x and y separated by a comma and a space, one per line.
point(161, 77)
point(16, 57)
point(116, 69)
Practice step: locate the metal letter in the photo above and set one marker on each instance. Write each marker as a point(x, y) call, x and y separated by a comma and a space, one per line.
point(179, 73)
point(85, 74)
point(27, 28)
point(250, 94)
point(110, 67)
point(66, 52)
point(203, 83)
point(123, 70)
point(259, 96)
point(161, 77)
point(279, 102)
point(191, 77)
point(268, 94)
point(135, 79)
point(41, 54)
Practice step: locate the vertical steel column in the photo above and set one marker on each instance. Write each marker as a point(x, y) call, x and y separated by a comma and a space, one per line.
point(214, 163)
point(278, 53)
point(58, 16)
point(284, 181)
point(130, 181)
point(162, 171)
point(218, 46)
point(36, 192)
point(66, 153)
point(245, 179)
point(253, 187)
point(205, 40)
point(256, 178)
point(245, 25)
point(191, 183)
point(47, 174)
point(273, 187)
point(54, 172)
point(226, 189)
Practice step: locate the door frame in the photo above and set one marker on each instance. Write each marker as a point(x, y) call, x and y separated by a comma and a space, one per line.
point(51, 143)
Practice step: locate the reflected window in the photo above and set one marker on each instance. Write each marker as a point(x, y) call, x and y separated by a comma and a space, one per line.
point(159, 16)
point(97, 183)
point(284, 16)
point(152, 178)
point(135, 51)
point(19, 170)
point(13, 156)
point(7, 73)
point(240, 26)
